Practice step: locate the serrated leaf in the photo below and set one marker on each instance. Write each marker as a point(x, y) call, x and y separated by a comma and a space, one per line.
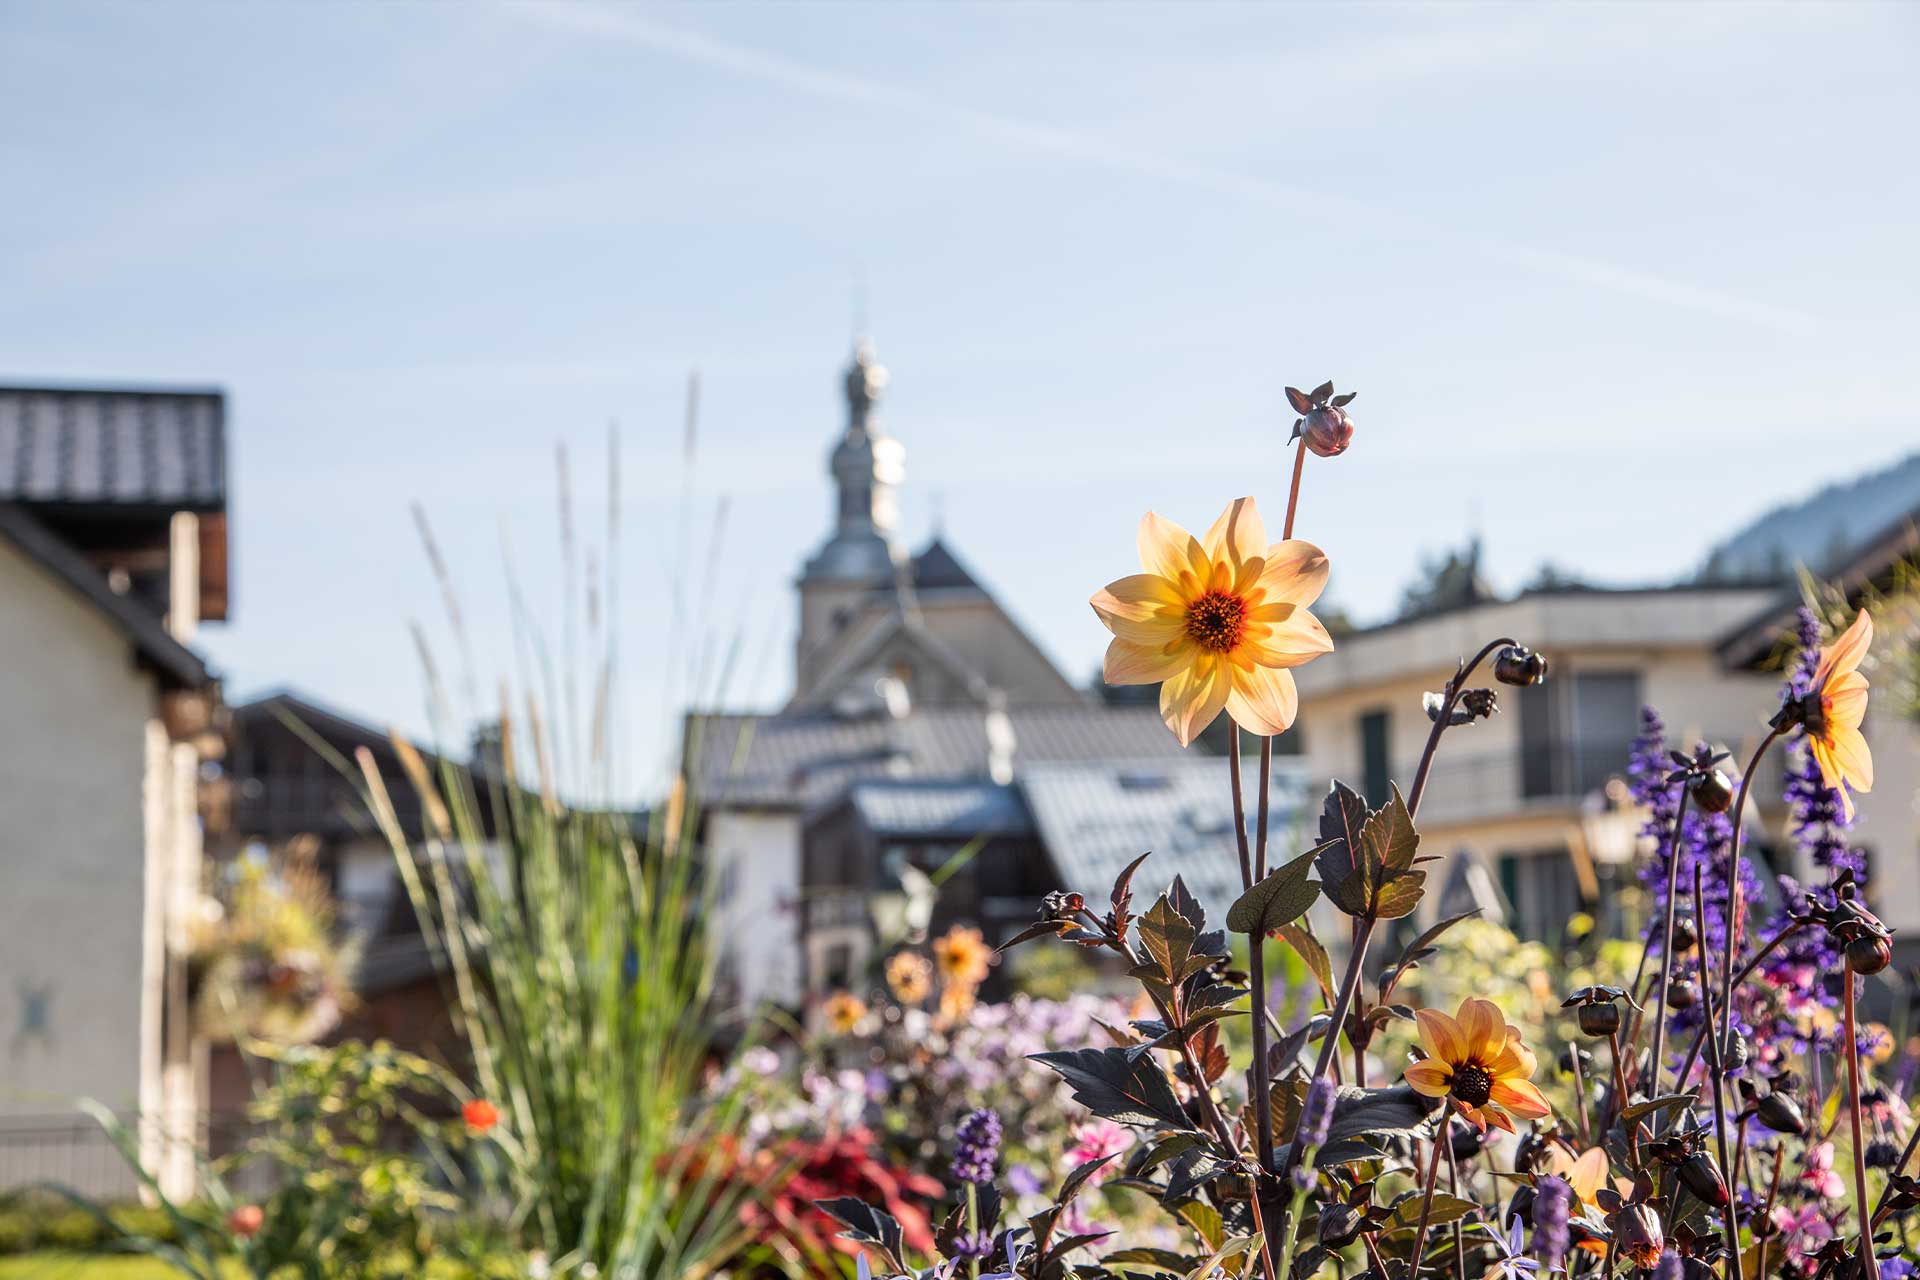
point(1400, 896)
point(1033, 931)
point(1393, 1112)
point(1280, 899)
point(1308, 948)
point(1343, 876)
point(1114, 1084)
point(1191, 1170)
point(1187, 905)
point(1206, 1223)
point(1168, 937)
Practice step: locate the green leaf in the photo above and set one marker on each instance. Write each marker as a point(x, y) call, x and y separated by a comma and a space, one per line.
point(1111, 1083)
point(1281, 898)
point(1342, 871)
point(1446, 1208)
point(1168, 938)
point(1206, 1223)
point(1640, 1110)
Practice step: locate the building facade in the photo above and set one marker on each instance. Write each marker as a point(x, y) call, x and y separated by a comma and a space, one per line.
point(112, 554)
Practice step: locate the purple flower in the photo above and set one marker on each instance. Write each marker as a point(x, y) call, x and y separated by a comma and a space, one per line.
point(1552, 1209)
point(1316, 1113)
point(976, 1148)
point(1669, 1267)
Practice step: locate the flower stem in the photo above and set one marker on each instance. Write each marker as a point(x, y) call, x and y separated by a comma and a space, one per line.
point(1260, 1226)
point(973, 1227)
point(1580, 1094)
point(1746, 971)
point(1426, 1199)
point(1666, 947)
point(1252, 871)
point(1454, 688)
point(1331, 1042)
point(1714, 1069)
point(1868, 1263)
point(1733, 882)
point(1293, 493)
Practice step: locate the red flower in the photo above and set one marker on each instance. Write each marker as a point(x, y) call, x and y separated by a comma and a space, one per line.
point(480, 1116)
point(246, 1221)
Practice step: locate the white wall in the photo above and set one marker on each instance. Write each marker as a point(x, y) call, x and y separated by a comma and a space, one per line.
point(758, 908)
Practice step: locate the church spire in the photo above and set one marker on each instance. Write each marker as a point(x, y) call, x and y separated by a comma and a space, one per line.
point(866, 465)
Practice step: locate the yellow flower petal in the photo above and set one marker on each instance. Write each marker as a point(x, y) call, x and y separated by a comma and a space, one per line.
point(1298, 640)
point(1171, 552)
point(1129, 662)
point(1295, 572)
point(1237, 536)
point(1441, 1036)
point(1263, 700)
point(1846, 651)
point(1846, 700)
point(1485, 1030)
point(1430, 1078)
point(1850, 753)
point(1192, 697)
point(1521, 1098)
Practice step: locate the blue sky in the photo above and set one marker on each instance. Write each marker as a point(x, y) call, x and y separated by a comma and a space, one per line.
point(1610, 280)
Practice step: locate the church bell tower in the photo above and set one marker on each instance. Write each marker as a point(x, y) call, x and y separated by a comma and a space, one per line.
point(861, 554)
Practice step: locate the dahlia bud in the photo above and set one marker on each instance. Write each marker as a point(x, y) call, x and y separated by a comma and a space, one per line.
point(1327, 431)
point(1636, 1229)
point(1869, 955)
point(1780, 1113)
point(1467, 1142)
point(1881, 1155)
point(1736, 1054)
point(1702, 1177)
point(1682, 994)
point(1684, 937)
point(1599, 1020)
point(1518, 665)
point(1713, 791)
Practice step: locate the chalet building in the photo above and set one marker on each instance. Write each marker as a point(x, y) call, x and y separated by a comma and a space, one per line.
point(113, 552)
point(923, 719)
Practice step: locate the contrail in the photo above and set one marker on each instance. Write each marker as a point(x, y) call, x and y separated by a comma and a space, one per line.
point(691, 46)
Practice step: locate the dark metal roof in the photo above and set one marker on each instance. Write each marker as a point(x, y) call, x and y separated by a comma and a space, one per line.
point(937, 568)
point(1096, 817)
point(1753, 642)
point(113, 447)
point(940, 809)
point(156, 647)
point(802, 759)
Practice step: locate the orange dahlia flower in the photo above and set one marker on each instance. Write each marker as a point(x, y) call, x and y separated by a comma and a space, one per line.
point(1475, 1059)
point(1834, 736)
point(1216, 621)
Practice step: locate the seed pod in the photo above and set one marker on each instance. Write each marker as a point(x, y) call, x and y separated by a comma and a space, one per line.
point(1735, 1058)
point(1684, 937)
point(1328, 431)
point(1781, 1114)
point(1713, 791)
point(1702, 1177)
point(1518, 665)
point(1869, 954)
point(1682, 994)
point(1599, 1020)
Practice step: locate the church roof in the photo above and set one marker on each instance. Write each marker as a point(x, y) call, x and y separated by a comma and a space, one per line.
point(937, 568)
point(796, 760)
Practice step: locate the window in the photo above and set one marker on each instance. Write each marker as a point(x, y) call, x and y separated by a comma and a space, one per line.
point(1575, 732)
point(1376, 761)
point(1542, 889)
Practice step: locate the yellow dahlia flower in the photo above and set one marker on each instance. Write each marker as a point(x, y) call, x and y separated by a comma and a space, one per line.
point(1834, 736)
point(1216, 621)
point(1477, 1060)
point(843, 1011)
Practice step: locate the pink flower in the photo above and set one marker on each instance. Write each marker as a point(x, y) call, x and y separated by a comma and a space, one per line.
point(1819, 1177)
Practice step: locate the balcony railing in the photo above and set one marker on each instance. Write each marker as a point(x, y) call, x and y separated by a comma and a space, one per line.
point(1470, 786)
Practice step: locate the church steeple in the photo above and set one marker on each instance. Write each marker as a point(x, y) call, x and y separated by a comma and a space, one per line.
point(861, 554)
point(866, 465)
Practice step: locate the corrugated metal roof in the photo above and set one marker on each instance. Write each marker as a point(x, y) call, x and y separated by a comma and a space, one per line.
point(800, 759)
point(933, 808)
point(1095, 818)
point(114, 447)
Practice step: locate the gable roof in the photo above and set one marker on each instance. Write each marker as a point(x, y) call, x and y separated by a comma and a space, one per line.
point(938, 569)
point(800, 759)
point(1863, 566)
point(155, 647)
point(120, 447)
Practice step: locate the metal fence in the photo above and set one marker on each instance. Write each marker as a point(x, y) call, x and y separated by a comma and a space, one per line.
point(73, 1152)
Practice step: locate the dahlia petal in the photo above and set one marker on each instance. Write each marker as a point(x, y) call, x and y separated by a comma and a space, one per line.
point(1441, 1036)
point(1192, 697)
point(1170, 551)
point(1846, 700)
point(1139, 597)
point(1521, 1097)
point(1295, 572)
point(1485, 1030)
point(1129, 662)
point(1846, 651)
point(1497, 1118)
point(1850, 753)
point(1239, 535)
point(1263, 700)
point(1430, 1078)
point(1295, 642)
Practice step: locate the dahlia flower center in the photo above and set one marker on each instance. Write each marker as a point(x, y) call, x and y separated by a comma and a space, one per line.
point(1472, 1083)
point(1216, 620)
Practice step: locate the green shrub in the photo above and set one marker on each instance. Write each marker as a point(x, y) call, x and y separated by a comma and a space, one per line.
point(16, 1231)
point(155, 1224)
point(74, 1230)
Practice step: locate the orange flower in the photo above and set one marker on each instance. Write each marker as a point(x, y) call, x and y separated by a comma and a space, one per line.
point(1217, 621)
point(1834, 735)
point(246, 1221)
point(909, 976)
point(1478, 1061)
point(963, 956)
point(480, 1116)
point(843, 1012)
